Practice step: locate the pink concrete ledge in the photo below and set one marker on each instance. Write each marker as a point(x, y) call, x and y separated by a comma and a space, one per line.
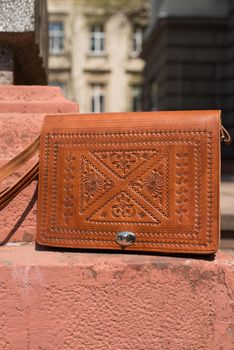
point(22, 110)
point(89, 301)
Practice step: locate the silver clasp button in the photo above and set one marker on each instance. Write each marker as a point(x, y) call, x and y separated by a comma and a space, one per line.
point(125, 238)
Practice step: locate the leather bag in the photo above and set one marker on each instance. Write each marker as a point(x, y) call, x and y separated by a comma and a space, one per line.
point(146, 181)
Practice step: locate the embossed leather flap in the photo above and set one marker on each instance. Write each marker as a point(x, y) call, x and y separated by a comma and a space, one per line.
point(153, 174)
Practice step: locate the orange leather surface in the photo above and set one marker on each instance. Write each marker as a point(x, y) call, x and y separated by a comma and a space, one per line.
point(12, 166)
point(156, 174)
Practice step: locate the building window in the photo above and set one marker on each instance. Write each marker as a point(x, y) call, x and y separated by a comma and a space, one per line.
point(97, 98)
point(153, 95)
point(137, 40)
point(60, 84)
point(97, 39)
point(56, 38)
point(136, 98)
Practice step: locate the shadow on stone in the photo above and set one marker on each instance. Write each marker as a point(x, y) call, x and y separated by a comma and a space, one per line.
point(22, 218)
point(208, 257)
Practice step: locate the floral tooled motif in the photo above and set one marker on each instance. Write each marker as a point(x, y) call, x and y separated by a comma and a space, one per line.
point(152, 185)
point(93, 184)
point(123, 207)
point(182, 190)
point(68, 197)
point(123, 162)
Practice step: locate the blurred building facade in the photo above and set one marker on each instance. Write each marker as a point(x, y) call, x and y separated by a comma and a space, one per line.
point(189, 53)
point(94, 51)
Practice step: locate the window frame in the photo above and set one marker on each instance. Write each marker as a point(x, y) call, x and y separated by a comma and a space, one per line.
point(97, 99)
point(137, 40)
point(97, 39)
point(56, 38)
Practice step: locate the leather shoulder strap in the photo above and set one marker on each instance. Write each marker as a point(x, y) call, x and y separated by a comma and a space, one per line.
point(19, 160)
point(8, 169)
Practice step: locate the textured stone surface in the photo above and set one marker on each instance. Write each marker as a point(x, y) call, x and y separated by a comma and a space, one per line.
point(17, 15)
point(23, 25)
point(22, 110)
point(70, 300)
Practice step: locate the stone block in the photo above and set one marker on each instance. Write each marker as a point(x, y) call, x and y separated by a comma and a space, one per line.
point(23, 26)
point(72, 300)
point(22, 109)
point(17, 16)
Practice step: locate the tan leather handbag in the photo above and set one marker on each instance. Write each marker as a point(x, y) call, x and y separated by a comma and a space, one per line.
point(146, 181)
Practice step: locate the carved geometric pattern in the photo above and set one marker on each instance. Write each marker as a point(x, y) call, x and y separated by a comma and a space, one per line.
point(153, 186)
point(123, 162)
point(68, 185)
point(198, 140)
point(122, 207)
point(182, 187)
point(93, 184)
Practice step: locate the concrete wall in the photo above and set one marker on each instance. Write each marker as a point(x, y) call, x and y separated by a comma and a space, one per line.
point(87, 301)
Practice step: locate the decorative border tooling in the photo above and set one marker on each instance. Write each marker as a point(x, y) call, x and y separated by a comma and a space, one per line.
point(67, 136)
point(108, 243)
point(182, 186)
point(68, 196)
point(159, 230)
point(57, 229)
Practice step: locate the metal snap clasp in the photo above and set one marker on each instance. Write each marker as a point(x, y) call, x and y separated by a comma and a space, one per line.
point(125, 238)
